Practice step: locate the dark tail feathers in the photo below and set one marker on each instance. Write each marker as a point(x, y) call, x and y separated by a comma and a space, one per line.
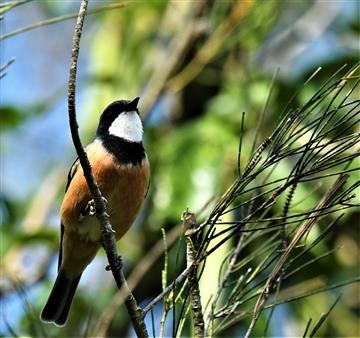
point(58, 305)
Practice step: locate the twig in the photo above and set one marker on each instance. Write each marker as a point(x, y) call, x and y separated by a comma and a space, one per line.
point(137, 274)
point(264, 109)
point(133, 280)
point(245, 314)
point(7, 64)
point(177, 49)
point(179, 279)
point(240, 144)
point(306, 226)
point(315, 292)
point(307, 327)
point(324, 130)
point(221, 287)
point(189, 223)
point(108, 237)
point(212, 46)
point(61, 18)
point(4, 66)
point(168, 300)
point(7, 6)
point(323, 318)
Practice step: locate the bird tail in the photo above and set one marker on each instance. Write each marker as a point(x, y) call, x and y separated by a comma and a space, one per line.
point(57, 307)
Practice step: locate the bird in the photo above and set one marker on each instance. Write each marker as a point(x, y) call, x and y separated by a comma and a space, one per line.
point(121, 169)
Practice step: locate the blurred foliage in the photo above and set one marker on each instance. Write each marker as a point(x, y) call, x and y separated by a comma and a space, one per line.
point(192, 139)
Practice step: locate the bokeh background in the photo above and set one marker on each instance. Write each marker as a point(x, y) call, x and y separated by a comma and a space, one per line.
point(196, 66)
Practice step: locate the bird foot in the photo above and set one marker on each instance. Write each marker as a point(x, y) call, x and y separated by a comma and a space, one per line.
point(118, 264)
point(89, 209)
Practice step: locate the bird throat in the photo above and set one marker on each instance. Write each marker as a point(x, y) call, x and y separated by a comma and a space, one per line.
point(127, 126)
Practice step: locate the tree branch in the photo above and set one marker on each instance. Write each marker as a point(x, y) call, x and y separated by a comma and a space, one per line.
point(189, 223)
point(108, 237)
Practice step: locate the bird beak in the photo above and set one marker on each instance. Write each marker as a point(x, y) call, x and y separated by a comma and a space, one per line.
point(133, 104)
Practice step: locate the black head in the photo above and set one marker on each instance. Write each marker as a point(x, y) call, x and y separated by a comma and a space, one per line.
point(112, 111)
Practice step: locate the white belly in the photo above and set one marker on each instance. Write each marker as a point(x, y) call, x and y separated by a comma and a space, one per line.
point(89, 229)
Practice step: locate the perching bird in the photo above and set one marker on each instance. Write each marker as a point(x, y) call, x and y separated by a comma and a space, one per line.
point(121, 169)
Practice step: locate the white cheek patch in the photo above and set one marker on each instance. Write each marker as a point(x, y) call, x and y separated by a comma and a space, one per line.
point(127, 126)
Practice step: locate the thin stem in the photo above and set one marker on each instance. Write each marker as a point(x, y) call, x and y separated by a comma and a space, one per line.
point(221, 287)
point(60, 19)
point(305, 227)
point(189, 223)
point(170, 287)
point(108, 236)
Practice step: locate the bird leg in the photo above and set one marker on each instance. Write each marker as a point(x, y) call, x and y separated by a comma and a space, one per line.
point(90, 209)
point(118, 264)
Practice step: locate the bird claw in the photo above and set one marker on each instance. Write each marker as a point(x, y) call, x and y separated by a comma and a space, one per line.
point(90, 209)
point(118, 264)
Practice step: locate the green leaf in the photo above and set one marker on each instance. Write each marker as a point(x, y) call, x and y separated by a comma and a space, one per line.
point(10, 117)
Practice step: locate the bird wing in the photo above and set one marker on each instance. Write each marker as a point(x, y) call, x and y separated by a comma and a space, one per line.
point(72, 171)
